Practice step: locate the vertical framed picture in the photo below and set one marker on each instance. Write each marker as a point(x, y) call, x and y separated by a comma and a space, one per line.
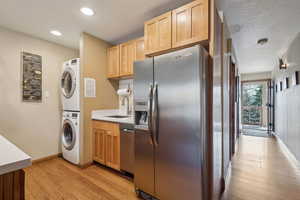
point(31, 85)
point(287, 83)
point(295, 78)
point(280, 86)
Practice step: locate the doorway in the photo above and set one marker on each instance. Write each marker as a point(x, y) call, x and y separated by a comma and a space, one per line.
point(255, 108)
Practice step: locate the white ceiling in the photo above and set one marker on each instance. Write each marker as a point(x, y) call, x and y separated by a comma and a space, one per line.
point(115, 20)
point(277, 20)
point(119, 20)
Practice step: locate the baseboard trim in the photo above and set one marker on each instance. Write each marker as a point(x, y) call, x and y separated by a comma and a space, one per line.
point(227, 181)
point(228, 176)
point(46, 158)
point(85, 165)
point(290, 156)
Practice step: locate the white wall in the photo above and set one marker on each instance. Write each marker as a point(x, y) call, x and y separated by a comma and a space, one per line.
point(34, 127)
point(256, 76)
point(287, 101)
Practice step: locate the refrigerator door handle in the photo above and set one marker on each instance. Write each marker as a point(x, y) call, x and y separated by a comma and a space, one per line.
point(154, 115)
point(149, 111)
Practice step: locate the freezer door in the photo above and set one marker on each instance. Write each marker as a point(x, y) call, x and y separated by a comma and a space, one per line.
point(144, 149)
point(178, 164)
point(144, 162)
point(143, 78)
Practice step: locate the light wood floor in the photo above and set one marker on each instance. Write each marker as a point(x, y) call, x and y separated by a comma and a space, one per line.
point(261, 171)
point(58, 180)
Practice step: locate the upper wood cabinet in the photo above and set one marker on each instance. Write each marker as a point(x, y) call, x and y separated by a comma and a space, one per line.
point(113, 61)
point(190, 23)
point(106, 144)
point(158, 34)
point(179, 28)
point(121, 58)
point(127, 57)
point(140, 49)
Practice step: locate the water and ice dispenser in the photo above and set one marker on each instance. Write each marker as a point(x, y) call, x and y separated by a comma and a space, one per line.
point(141, 114)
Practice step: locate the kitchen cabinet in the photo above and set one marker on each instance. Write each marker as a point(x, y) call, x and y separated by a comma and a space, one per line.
point(99, 145)
point(113, 61)
point(106, 144)
point(190, 23)
point(140, 49)
point(121, 58)
point(127, 57)
point(179, 28)
point(158, 34)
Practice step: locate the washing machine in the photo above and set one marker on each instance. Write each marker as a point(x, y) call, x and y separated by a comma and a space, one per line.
point(70, 136)
point(70, 85)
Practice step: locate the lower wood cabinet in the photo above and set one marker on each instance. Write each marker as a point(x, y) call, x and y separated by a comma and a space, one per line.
point(106, 144)
point(12, 185)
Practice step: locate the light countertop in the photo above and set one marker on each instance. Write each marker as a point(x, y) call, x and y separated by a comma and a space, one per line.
point(11, 157)
point(103, 116)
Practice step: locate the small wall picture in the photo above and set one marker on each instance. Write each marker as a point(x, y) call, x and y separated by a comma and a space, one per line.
point(295, 78)
point(287, 83)
point(280, 86)
point(31, 77)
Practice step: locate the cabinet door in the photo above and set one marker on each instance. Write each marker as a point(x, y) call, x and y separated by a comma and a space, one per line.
point(113, 149)
point(99, 145)
point(158, 34)
point(127, 58)
point(140, 49)
point(190, 23)
point(113, 59)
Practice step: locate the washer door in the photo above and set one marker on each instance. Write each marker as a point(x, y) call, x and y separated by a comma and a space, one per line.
point(68, 135)
point(68, 83)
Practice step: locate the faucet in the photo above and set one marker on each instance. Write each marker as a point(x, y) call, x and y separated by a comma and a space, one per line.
point(128, 110)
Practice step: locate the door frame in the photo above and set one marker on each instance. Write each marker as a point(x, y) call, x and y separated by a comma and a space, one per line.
point(268, 89)
point(232, 108)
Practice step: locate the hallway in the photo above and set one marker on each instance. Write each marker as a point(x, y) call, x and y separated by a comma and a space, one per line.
point(261, 171)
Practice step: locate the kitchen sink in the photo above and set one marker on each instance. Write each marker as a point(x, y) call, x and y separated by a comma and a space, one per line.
point(118, 116)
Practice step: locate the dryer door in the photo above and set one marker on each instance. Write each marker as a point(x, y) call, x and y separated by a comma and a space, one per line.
point(68, 135)
point(68, 82)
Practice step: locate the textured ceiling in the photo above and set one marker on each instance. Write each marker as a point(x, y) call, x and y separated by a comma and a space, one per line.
point(115, 20)
point(250, 20)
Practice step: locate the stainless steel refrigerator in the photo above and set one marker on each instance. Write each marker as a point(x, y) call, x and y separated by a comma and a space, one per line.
point(170, 94)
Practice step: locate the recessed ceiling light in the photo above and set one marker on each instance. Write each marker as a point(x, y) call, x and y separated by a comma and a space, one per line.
point(56, 33)
point(87, 11)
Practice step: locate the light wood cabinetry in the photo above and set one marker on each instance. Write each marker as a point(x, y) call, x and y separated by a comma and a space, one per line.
point(106, 144)
point(179, 28)
point(99, 145)
point(190, 23)
point(121, 58)
point(158, 34)
point(113, 61)
point(127, 57)
point(140, 49)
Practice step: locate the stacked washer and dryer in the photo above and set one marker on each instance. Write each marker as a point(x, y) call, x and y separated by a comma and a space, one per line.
point(70, 89)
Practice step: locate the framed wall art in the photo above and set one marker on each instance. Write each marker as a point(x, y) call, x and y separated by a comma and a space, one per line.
point(31, 77)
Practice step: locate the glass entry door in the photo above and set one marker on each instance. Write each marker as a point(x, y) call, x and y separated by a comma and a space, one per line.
point(252, 104)
point(255, 108)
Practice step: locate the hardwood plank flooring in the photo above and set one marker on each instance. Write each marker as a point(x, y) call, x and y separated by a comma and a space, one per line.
point(59, 180)
point(261, 171)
